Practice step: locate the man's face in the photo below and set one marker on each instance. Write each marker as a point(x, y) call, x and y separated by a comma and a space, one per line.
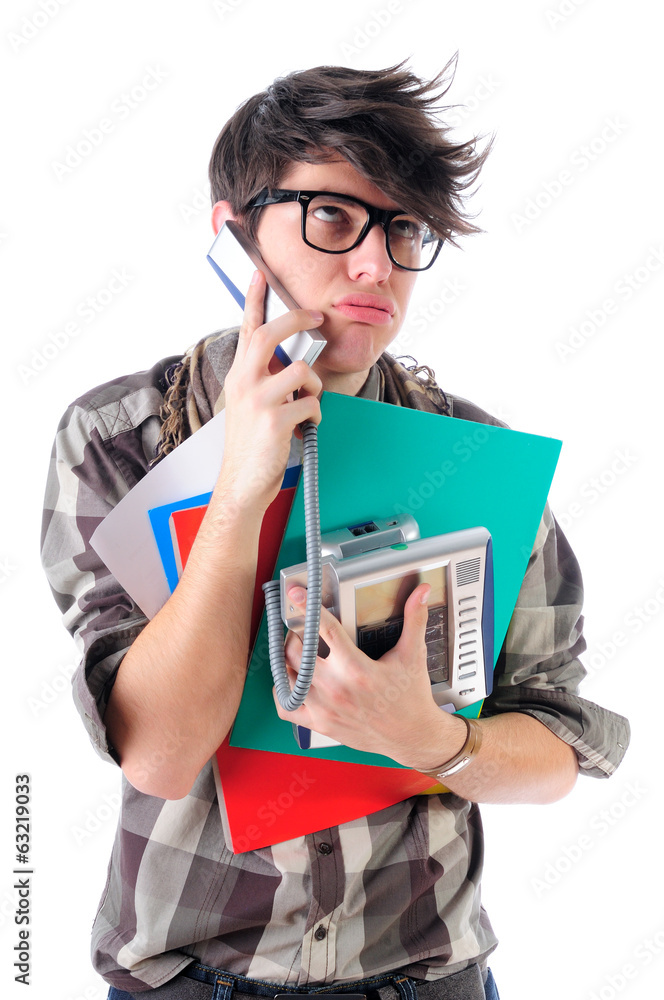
point(357, 330)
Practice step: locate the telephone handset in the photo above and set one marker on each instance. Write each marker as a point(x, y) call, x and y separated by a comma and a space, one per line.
point(235, 257)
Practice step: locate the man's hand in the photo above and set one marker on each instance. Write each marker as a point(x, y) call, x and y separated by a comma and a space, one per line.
point(382, 706)
point(261, 413)
point(385, 706)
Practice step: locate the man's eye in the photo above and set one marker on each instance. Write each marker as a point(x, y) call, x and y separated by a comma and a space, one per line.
point(329, 213)
point(406, 229)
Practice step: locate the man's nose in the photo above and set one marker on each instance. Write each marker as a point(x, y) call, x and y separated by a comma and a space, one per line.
point(371, 256)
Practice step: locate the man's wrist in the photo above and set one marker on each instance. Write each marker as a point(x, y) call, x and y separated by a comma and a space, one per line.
point(439, 738)
point(466, 752)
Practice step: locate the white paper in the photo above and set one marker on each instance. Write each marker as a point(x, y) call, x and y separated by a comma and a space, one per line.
point(124, 539)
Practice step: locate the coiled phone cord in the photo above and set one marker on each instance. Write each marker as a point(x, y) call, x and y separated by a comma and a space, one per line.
point(292, 699)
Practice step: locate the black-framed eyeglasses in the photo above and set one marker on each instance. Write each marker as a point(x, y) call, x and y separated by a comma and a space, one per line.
point(337, 223)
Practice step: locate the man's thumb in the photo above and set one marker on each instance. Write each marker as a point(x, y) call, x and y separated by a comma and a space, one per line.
point(415, 615)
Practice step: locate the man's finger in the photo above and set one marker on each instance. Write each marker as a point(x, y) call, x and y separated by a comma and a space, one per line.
point(269, 335)
point(330, 630)
point(297, 376)
point(415, 617)
point(298, 715)
point(254, 309)
point(293, 650)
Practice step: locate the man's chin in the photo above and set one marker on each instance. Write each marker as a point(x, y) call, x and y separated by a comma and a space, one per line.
point(348, 358)
point(338, 367)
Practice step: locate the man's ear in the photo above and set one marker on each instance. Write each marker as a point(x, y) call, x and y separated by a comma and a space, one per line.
point(221, 211)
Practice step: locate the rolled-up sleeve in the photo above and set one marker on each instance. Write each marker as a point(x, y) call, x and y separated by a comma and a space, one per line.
point(539, 670)
point(102, 448)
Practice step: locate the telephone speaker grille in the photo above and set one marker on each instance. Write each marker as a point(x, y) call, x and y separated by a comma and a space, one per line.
point(468, 572)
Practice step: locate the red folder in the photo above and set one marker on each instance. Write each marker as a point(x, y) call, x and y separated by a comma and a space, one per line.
point(185, 523)
point(271, 797)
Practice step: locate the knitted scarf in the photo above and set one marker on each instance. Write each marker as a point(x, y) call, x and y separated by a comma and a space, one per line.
point(195, 391)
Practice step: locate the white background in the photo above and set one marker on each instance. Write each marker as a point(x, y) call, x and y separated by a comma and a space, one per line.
point(564, 86)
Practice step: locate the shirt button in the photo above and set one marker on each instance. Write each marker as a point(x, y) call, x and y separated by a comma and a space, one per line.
point(325, 848)
point(320, 933)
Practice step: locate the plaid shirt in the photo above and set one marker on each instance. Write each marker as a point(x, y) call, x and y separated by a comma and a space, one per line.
point(399, 888)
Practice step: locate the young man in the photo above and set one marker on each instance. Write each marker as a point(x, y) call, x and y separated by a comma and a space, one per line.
point(390, 902)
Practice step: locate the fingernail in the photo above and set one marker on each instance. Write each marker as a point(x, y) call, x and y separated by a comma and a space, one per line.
point(254, 278)
point(297, 595)
point(425, 596)
point(316, 314)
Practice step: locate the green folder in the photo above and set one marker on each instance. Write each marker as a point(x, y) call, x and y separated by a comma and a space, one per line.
point(376, 460)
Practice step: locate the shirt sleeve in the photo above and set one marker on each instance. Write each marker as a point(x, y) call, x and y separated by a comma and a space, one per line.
point(539, 671)
point(98, 455)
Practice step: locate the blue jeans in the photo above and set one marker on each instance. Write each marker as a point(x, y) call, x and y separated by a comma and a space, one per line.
point(490, 988)
point(490, 991)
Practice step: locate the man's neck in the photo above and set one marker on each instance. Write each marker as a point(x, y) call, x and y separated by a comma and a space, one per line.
point(348, 384)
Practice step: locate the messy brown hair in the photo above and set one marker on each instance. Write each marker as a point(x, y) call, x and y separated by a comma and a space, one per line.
point(388, 124)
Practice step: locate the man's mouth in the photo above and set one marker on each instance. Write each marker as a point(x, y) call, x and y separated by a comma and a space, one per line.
point(365, 308)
